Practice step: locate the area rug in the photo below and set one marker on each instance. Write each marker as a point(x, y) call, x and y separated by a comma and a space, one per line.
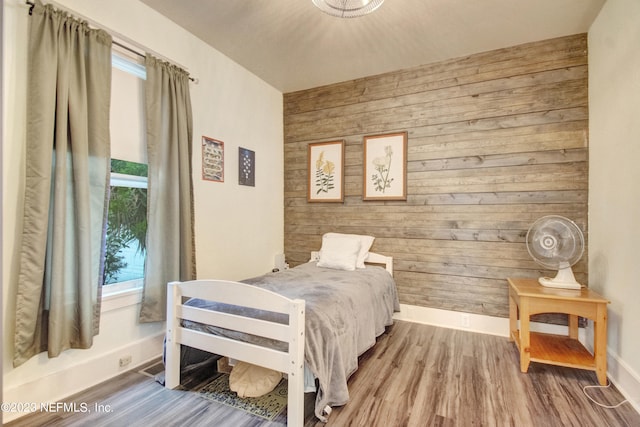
point(267, 406)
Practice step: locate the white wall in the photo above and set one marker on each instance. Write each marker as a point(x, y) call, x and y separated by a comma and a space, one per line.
point(239, 229)
point(614, 183)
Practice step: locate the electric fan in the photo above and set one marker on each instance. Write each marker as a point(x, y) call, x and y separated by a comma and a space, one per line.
point(556, 243)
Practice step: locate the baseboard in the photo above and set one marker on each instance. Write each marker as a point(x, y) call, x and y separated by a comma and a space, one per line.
point(624, 378)
point(454, 320)
point(64, 383)
point(620, 374)
point(479, 323)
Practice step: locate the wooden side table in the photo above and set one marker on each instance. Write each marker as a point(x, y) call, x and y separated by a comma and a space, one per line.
point(527, 297)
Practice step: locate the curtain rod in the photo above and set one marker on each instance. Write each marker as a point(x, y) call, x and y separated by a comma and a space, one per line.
point(117, 39)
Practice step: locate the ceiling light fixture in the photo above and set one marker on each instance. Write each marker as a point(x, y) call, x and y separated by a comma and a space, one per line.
point(347, 8)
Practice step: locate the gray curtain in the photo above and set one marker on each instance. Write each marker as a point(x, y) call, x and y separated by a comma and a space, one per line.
point(66, 187)
point(170, 237)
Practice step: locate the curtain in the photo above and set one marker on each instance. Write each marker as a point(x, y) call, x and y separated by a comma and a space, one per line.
point(170, 237)
point(66, 185)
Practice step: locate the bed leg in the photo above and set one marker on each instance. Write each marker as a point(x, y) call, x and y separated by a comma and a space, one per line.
point(172, 346)
point(295, 410)
point(295, 402)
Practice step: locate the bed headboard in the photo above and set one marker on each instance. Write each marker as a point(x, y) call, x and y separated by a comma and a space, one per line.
point(373, 258)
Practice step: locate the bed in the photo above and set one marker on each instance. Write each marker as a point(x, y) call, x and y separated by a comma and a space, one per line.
point(310, 317)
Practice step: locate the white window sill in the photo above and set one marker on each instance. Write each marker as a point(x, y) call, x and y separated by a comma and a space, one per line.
point(121, 295)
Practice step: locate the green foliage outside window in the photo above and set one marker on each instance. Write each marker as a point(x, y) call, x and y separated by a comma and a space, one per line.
point(127, 219)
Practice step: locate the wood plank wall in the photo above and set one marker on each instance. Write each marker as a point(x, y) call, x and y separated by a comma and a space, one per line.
point(496, 140)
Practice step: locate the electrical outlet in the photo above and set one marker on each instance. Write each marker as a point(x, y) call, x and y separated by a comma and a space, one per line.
point(125, 360)
point(465, 321)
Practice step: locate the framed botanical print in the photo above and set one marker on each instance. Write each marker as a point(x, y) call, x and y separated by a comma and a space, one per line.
point(326, 171)
point(385, 163)
point(212, 159)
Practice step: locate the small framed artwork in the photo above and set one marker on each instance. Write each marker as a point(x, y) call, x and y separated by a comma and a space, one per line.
point(385, 162)
point(326, 171)
point(212, 159)
point(246, 167)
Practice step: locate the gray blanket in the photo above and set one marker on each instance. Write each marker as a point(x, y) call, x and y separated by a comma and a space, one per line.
point(345, 312)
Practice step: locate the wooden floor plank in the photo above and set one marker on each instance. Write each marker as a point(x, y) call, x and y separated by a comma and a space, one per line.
point(416, 375)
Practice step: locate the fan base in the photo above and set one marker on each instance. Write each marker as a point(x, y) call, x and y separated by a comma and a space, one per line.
point(553, 283)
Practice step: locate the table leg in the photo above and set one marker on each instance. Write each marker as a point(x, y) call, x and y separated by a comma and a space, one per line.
point(525, 339)
point(600, 343)
point(513, 316)
point(573, 326)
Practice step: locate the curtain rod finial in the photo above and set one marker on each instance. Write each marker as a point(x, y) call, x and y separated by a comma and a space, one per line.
point(31, 6)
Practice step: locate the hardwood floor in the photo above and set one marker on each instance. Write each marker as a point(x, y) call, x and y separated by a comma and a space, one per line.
point(416, 375)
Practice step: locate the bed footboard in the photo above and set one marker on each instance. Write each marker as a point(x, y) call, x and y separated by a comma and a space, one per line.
point(290, 362)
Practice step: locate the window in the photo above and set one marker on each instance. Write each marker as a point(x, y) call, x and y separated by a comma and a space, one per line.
point(127, 216)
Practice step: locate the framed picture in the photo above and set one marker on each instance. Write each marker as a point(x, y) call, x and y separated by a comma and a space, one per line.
point(385, 163)
point(326, 172)
point(246, 167)
point(212, 159)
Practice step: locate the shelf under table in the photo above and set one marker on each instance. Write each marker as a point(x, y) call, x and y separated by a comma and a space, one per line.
point(558, 350)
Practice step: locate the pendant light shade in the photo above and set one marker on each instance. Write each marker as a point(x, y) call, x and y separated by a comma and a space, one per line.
point(347, 8)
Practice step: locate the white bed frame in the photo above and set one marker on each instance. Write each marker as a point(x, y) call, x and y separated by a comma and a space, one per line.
point(290, 362)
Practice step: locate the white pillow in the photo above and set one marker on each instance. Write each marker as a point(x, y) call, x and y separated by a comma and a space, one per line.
point(252, 381)
point(339, 253)
point(365, 245)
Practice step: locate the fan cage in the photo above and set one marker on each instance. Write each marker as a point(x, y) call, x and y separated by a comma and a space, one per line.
point(555, 242)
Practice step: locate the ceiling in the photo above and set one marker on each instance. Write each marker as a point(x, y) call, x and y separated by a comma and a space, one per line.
point(292, 45)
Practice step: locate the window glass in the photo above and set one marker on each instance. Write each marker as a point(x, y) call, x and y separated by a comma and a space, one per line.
point(127, 222)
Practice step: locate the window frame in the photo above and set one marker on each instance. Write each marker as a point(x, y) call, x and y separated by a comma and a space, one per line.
point(129, 292)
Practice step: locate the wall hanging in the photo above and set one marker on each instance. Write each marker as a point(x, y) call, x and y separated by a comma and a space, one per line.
point(246, 167)
point(326, 172)
point(385, 161)
point(212, 159)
